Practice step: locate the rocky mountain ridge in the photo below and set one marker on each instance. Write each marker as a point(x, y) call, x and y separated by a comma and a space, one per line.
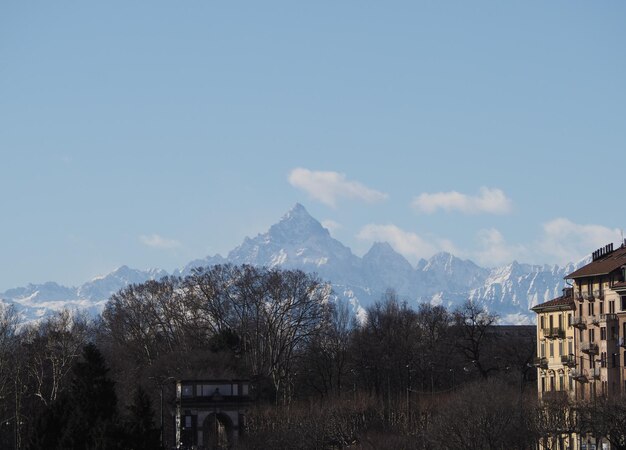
point(298, 241)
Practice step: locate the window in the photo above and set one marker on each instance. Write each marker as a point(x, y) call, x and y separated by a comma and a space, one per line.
point(542, 350)
point(603, 359)
point(603, 333)
point(601, 307)
point(561, 382)
point(551, 349)
point(569, 320)
point(570, 347)
point(592, 335)
point(543, 384)
point(187, 390)
point(593, 390)
point(612, 306)
point(561, 348)
point(623, 299)
point(542, 319)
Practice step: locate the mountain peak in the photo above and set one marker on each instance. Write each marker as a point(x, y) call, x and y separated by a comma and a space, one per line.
point(381, 249)
point(297, 224)
point(297, 213)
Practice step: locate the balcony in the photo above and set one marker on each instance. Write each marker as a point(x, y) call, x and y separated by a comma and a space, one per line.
point(568, 360)
point(607, 317)
point(589, 347)
point(579, 322)
point(541, 363)
point(554, 333)
point(589, 296)
point(554, 396)
point(595, 319)
point(578, 375)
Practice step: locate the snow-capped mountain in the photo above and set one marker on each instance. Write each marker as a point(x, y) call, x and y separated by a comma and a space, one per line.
point(38, 300)
point(300, 241)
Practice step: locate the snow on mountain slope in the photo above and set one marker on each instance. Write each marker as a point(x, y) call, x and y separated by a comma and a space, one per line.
point(298, 241)
point(38, 300)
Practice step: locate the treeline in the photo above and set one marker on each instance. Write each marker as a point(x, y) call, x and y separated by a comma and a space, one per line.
point(403, 378)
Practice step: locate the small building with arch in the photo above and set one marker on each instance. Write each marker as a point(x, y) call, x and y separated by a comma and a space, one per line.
point(210, 414)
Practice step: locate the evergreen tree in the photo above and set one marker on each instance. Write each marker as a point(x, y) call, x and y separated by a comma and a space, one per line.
point(140, 429)
point(85, 416)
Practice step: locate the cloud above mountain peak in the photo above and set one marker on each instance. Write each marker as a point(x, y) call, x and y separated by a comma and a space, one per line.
point(329, 187)
point(491, 201)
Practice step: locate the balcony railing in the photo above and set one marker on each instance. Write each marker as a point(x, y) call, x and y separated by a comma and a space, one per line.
point(554, 396)
point(554, 333)
point(542, 363)
point(568, 360)
point(589, 347)
point(607, 317)
point(579, 322)
point(578, 375)
point(589, 296)
point(595, 320)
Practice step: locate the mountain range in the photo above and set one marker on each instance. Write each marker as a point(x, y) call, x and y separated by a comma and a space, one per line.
point(298, 241)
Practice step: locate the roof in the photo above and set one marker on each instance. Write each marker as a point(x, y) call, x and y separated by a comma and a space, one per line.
point(602, 265)
point(556, 304)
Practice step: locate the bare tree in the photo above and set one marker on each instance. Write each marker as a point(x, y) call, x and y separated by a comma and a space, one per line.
point(51, 348)
point(473, 323)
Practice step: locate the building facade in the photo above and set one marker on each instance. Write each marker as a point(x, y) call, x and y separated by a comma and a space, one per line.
point(210, 413)
point(581, 339)
point(556, 347)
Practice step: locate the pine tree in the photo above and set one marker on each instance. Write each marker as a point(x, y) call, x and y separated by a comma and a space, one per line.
point(140, 429)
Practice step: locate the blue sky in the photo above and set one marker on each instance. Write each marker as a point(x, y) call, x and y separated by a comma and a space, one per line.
point(153, 133)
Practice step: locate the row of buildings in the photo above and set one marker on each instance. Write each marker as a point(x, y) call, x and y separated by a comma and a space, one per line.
point(581, 349)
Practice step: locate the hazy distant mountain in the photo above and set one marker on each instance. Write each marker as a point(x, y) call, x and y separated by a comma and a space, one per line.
point(37, 300)
point(300, 241)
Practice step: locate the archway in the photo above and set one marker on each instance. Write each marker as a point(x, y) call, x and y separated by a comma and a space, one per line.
point(217, 431)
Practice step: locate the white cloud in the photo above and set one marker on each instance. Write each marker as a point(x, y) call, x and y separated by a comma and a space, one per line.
point(492, 201)
point(494, 250)
point(328, 187)
point(156, 241)
point(409, 244)
point(331, 225)
point(565, 241)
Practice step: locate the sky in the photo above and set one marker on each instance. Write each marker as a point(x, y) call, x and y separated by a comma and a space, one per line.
point(152, 133)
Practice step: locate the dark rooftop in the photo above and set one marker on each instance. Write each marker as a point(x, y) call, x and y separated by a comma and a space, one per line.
point(565, 301)
point(602, 264)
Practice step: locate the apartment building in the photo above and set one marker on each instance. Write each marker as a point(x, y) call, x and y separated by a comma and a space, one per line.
point(556, 347)
point(600, 300)
point(581, 339)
